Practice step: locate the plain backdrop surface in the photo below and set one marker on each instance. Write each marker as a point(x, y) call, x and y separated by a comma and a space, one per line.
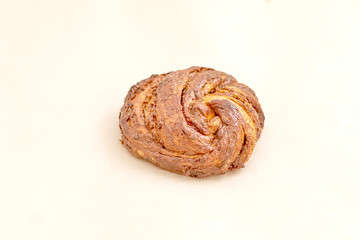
point(66, 66)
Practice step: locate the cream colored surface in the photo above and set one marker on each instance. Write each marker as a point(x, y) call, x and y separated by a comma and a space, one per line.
point(65, 67)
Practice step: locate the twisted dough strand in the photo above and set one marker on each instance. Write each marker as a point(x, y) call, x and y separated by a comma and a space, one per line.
point(196, 122)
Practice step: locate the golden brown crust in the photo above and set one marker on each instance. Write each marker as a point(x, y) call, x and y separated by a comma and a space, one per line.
point(197, 122)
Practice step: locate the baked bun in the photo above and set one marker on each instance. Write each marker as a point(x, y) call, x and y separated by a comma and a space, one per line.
point(197, 122)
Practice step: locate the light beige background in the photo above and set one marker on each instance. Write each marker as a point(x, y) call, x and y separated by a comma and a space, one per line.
point(66, 66)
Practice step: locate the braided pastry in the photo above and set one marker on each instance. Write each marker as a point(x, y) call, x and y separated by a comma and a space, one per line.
point(197, 122)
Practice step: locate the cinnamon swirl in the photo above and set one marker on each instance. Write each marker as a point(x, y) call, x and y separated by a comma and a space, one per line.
point(197, 122)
